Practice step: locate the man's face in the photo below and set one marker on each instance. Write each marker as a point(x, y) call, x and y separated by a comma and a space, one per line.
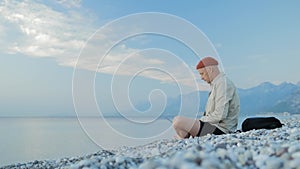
point(204, 75)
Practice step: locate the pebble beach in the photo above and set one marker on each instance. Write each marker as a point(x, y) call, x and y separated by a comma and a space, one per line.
point(267, 149)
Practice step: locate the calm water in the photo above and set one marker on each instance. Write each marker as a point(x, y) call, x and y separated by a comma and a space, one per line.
point(28, 139)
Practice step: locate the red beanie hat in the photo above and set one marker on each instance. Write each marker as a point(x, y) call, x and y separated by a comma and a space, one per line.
point(207, 61)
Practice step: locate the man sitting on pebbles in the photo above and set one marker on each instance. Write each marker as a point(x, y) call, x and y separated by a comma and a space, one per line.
point(222, 107)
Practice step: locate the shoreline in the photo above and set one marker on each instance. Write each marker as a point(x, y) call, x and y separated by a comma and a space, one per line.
point(271, 149)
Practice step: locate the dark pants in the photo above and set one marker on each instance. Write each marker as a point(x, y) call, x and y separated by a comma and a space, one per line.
point(207, 128)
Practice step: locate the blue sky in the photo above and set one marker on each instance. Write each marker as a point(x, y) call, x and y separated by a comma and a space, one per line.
point(257, 41)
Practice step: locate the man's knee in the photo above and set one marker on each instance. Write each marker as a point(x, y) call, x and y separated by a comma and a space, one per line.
point(177, 122)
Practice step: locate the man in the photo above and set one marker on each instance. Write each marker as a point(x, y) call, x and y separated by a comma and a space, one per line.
point(222, 107)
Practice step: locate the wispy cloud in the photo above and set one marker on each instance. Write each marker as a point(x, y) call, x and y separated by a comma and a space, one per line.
point(218, 45)
point(260, 58)
point(37, 30)
point(70, 3)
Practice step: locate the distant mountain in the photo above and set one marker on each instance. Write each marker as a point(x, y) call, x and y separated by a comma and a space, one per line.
point(265, 97)
point(289, 104)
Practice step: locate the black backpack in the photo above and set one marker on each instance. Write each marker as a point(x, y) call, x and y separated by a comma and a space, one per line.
point(260, 123)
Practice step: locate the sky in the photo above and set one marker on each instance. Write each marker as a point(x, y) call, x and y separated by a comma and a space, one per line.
point(58, 56)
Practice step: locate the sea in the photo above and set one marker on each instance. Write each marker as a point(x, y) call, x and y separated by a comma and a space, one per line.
point(28, 139)
point(25, 139)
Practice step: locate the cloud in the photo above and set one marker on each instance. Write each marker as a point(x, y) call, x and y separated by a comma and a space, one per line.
point(218, 45)
point(70, 3)
point(37, 30)
point(2, 31)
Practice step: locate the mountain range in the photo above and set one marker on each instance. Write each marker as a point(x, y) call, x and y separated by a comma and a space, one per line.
point(266, 97)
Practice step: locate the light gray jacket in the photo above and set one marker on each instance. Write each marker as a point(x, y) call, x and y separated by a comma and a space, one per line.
point(223, 105)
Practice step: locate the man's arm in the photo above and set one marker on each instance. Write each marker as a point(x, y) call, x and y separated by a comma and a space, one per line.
point(222, 97)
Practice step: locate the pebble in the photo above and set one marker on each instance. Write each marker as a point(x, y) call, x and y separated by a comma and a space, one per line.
point(221, 153)
point(294, 148)
point(274, 163)
point(294, 164)
point(270, 149)
point(296, 155)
